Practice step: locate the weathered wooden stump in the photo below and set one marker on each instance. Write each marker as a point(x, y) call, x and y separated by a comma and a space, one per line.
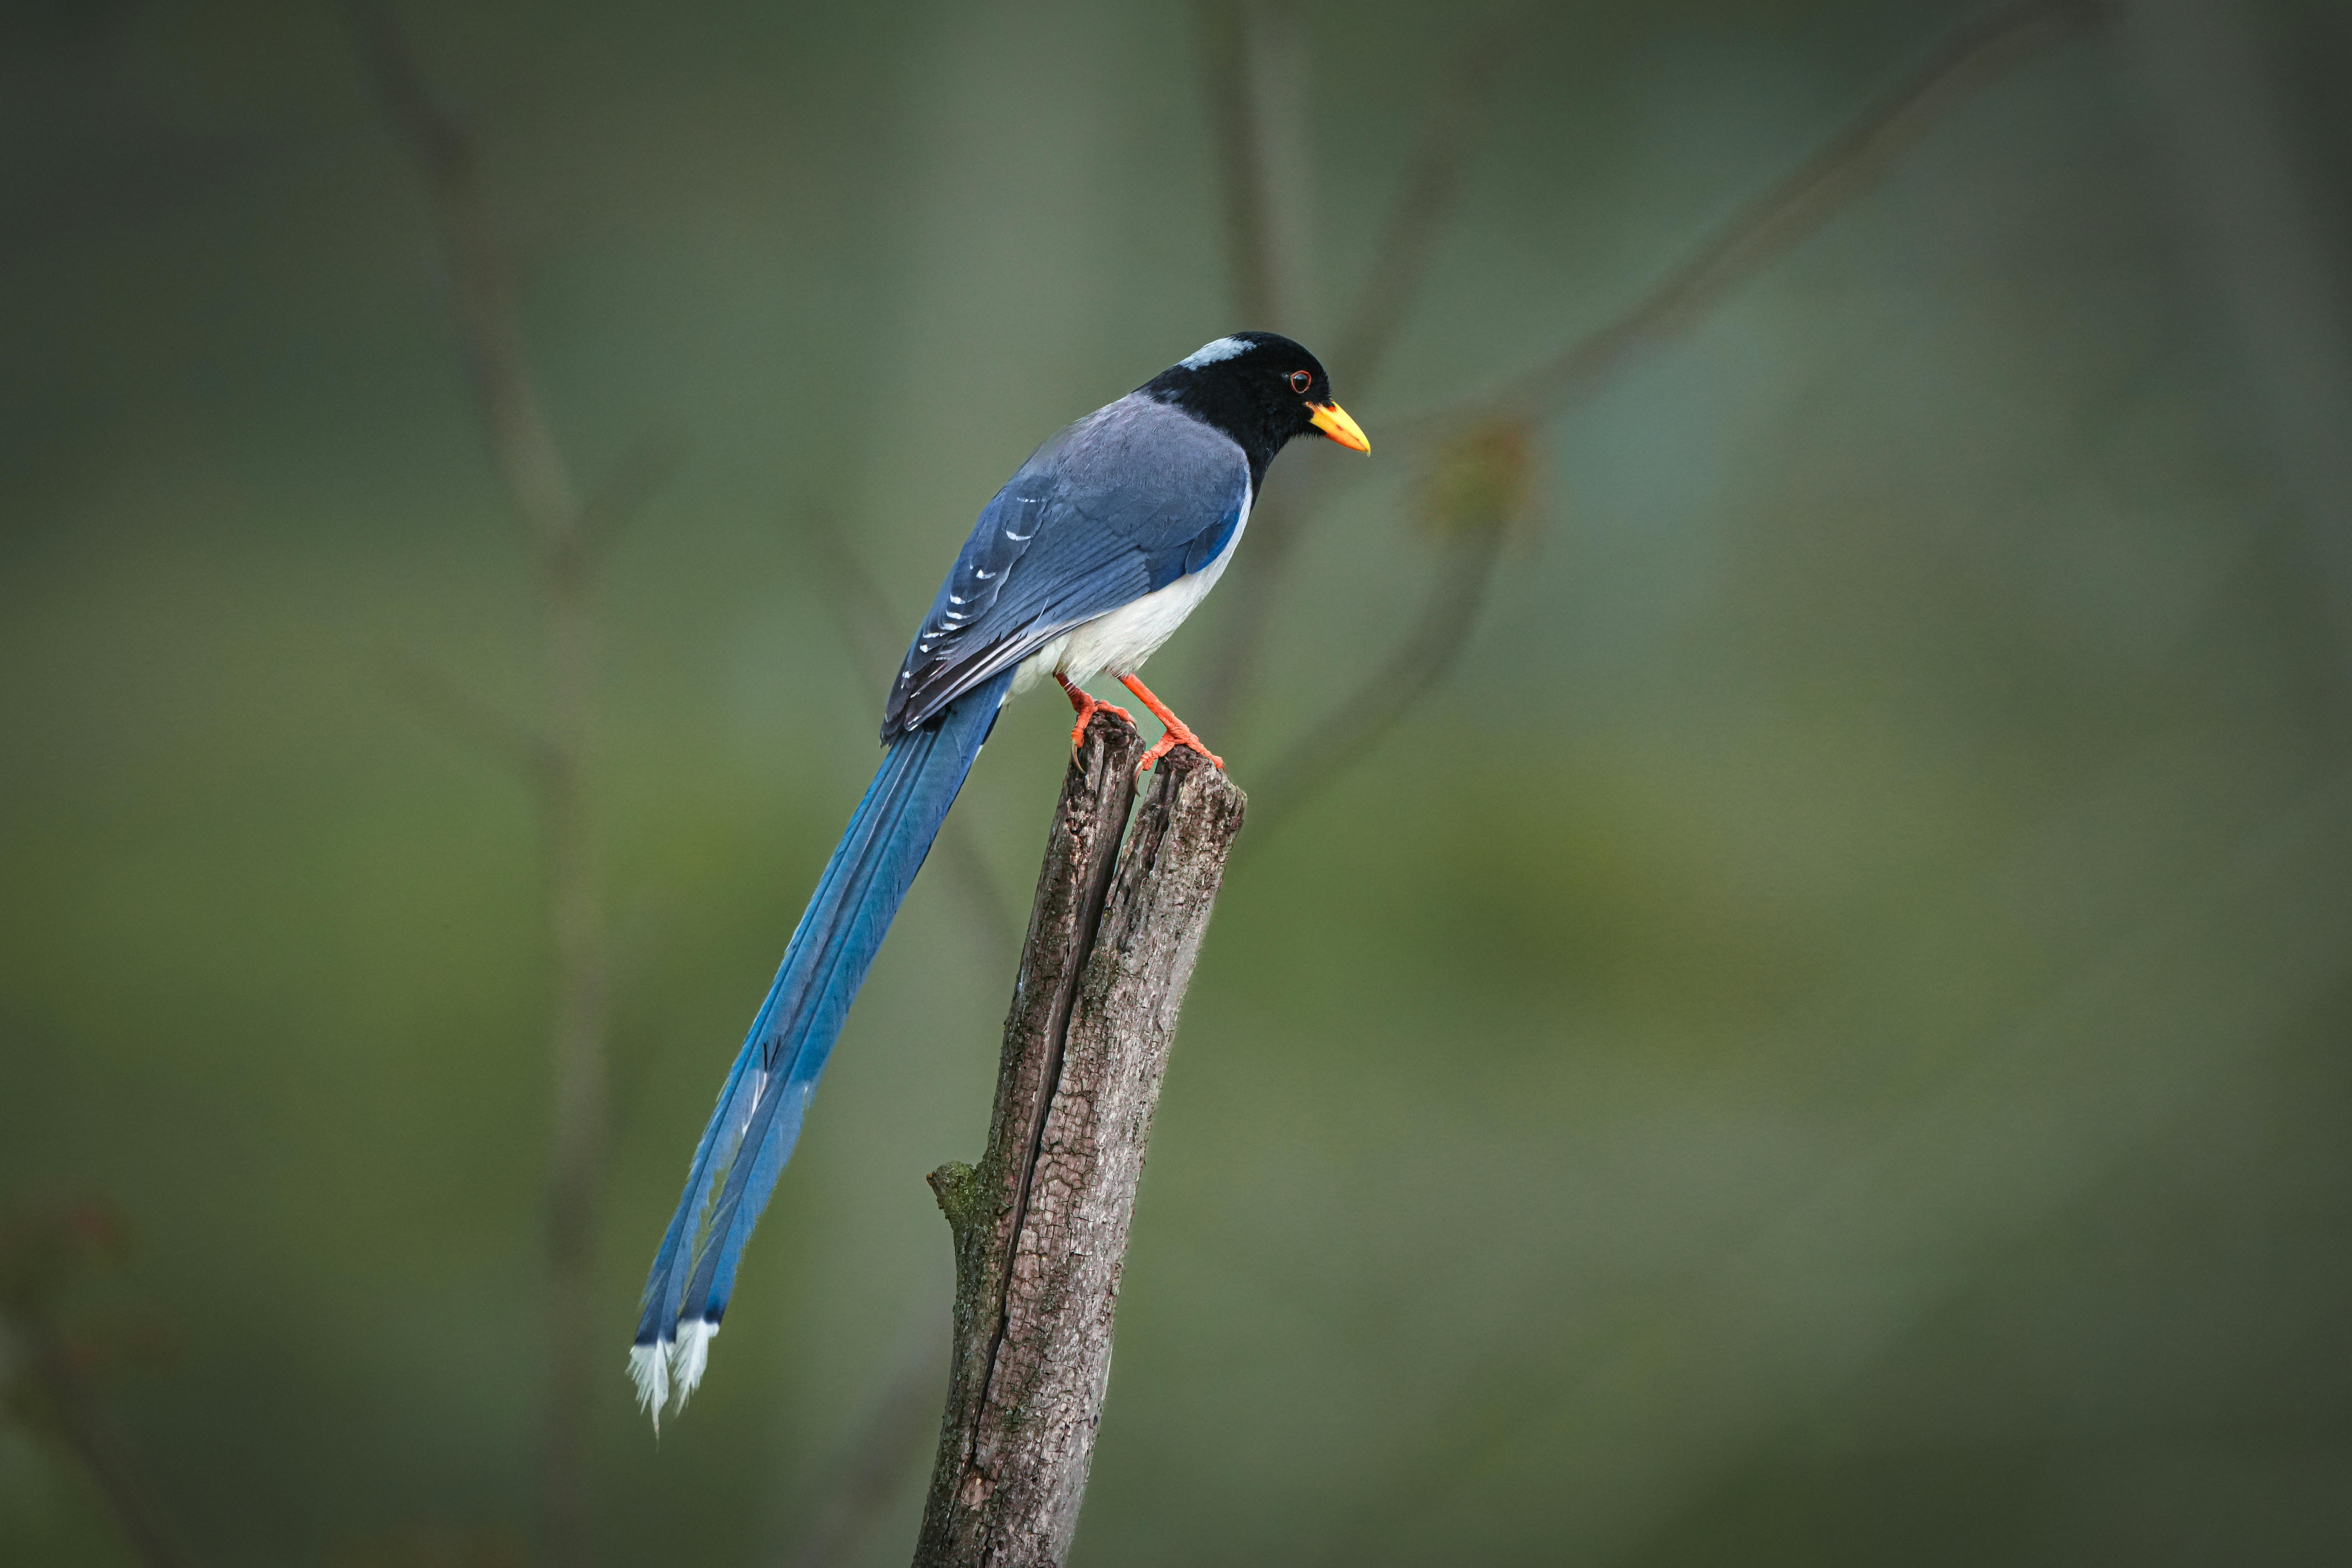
point(1041, 1223)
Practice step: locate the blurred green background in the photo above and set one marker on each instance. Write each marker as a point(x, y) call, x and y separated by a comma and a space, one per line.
point(1819, 1041)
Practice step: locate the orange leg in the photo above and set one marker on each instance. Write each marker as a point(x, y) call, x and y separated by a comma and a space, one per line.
point(1086, 708)
point(1179, 733)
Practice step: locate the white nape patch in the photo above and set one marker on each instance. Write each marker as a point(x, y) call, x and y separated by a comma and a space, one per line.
point(649, 1370)
point(692, 1357)
point(1209, 354)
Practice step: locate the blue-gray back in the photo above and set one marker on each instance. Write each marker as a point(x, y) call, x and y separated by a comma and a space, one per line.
point(1123, 503)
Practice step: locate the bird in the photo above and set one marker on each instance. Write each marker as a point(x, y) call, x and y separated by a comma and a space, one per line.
point(1089, 559)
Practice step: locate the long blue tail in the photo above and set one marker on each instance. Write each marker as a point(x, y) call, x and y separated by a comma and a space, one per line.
point(758, 1120)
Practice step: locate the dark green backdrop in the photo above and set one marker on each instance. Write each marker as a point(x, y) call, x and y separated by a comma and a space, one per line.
point(1821, 1041)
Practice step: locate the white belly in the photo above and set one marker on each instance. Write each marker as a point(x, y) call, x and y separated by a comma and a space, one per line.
point(1117, 643)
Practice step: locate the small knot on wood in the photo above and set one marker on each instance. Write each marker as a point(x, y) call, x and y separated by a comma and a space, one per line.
point(951, 1185)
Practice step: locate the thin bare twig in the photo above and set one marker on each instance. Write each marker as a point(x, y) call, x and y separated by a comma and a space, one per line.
point(645, 469)
point(1243, 74)
point(46, 1374)
point(1478, 493)
point(1400, 261)
point(875, 1462)
point(869, 622)
point(1840, 170)
point(1250, 55)
point(522, 443)
point(1428, 651)
point(546, 505)
point(85, 1429)
point(2263, 234)
point(1833, 175)
point(472, 718)
point(1241, 186)
point(1432, 184)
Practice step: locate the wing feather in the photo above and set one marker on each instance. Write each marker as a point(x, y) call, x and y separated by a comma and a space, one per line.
point(1123, 503)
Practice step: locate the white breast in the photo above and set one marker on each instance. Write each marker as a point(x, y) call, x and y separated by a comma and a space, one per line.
point(1118, 642)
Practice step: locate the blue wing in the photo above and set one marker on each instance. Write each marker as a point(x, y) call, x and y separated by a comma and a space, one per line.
point(1120, 504)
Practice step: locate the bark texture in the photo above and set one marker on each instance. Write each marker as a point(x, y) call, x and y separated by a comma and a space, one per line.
point(1041, 1223)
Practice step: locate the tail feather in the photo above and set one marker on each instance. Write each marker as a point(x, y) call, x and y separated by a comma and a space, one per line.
point(757, 1118)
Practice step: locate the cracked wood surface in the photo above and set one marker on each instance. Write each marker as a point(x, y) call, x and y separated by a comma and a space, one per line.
point(1041, 1223)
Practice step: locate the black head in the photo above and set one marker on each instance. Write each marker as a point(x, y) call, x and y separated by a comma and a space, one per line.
point(1261, 389)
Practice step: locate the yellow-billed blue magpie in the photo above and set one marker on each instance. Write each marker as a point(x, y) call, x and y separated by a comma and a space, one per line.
point(1083, 564)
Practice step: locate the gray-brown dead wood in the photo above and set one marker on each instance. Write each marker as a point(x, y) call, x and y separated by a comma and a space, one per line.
point(1041, 1223)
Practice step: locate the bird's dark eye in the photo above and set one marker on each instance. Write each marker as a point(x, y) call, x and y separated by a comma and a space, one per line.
point(1300, 381)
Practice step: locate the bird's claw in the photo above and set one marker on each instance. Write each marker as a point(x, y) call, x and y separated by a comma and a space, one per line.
point(1086, 716)
point(1169, 741)
point(1087, 706)
point(1179, 733)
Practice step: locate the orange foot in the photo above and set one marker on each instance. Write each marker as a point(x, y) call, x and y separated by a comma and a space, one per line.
point(1179, 733)
point(1086, 708)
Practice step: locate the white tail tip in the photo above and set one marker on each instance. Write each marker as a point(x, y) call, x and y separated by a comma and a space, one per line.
point(692, 1356)
point(667, 1371)
point(649, 1370)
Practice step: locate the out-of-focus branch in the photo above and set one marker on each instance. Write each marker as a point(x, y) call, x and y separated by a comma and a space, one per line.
point(1401, 259)
point(1241, 164)
point(1253, 71)
point(1253, 57)
point(869, 624)
point(1839, 171)
point(1473, 499)
point(2266, 253)
point(472, 718)
point(1340, 742)
point(1432, 184)
point(563, 535)
point(645, 468)
point(48, 1374)
point(1833, 175)
point(489, 328)
point(860, 1484)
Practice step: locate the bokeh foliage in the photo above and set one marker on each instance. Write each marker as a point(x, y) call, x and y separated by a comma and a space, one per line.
point(1821, 1041)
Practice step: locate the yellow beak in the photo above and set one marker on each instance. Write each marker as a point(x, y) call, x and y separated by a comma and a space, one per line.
point(1333, 421)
